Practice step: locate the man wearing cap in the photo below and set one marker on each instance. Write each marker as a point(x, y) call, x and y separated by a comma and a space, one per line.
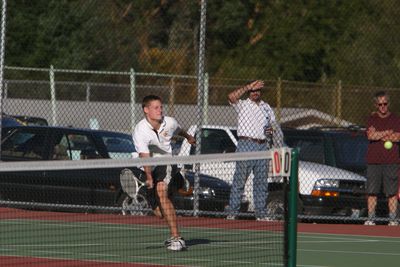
point(257, 131)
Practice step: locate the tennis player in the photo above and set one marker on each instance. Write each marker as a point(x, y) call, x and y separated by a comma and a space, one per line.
point(152, 137)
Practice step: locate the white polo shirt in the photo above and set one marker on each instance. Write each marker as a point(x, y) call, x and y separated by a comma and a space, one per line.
point(253, 118)
point(155, 142)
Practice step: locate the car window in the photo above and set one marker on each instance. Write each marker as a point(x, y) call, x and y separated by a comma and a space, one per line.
point(234, 132)
point(9, 122)
point(22, 144)
point(216, 141)
point(75, 147)
point(310, 149)
point(119, 146)
point(351, 151)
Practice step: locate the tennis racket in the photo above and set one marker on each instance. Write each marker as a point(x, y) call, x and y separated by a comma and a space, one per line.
point(130, 184)
point(135, 203)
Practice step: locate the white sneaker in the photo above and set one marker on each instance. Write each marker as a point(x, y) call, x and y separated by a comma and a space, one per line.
point(393, 223)
point(369, 222)
point(176, 244)
point(265, 219)
point(168, 241)
point(231, 217)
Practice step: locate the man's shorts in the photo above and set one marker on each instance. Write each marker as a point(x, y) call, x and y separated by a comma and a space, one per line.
point(159, 173)
point(386, 174)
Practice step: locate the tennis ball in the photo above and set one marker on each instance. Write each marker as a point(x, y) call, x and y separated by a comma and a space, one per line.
point(388, 145)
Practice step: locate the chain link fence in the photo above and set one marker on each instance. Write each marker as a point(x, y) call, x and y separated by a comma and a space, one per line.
point(88, 64)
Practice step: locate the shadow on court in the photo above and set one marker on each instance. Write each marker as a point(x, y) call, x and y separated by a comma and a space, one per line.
point(194, 242)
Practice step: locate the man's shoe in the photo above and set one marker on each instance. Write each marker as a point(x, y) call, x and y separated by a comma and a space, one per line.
point(265, 219)
point(369, 222)
point(231, 217)
point(176, 244)
point(168, 241)
point(393, 223)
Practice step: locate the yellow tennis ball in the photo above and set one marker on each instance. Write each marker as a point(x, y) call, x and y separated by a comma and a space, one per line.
point(388, 145)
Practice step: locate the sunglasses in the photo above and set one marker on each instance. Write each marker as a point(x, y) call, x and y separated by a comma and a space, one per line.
point(382, 104)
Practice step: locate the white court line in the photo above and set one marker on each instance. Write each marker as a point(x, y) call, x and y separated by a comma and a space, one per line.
point(219, 244)
point(350, 252)
point(349, 239)
point(324, 235)
point(50, 245)
point(341, 241)
point(119, 257)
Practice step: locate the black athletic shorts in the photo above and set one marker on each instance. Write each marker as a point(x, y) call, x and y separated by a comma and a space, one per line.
point(159, 173)
point(386, 174)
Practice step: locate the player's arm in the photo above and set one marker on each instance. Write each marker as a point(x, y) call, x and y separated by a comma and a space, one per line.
point(147, 171)
point(189, 137)
point(394, 137)
point(374, 135)
point(141, 142)
point(235, 95)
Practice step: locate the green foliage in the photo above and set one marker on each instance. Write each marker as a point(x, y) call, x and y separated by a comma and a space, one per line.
point(316, 41)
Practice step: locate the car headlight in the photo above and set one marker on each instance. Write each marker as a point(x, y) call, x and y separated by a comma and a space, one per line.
point(326, 188)
point(206, 192)
point(327, 183)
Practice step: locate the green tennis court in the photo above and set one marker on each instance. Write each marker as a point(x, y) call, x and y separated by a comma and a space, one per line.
point(347, 250)
point(105, 242)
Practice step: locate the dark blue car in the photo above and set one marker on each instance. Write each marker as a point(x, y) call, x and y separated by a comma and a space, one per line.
point(83, 187)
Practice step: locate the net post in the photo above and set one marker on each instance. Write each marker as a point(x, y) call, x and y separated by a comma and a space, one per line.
point(292, 227)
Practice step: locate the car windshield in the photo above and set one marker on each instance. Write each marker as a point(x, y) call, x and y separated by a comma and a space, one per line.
point(234, 132)
point(350, 151)
point(10, 122)
point(119, 146)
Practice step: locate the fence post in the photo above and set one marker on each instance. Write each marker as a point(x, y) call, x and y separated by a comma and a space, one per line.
point(205, 103)
point(87, 92)
point(200, 103)
point(132, 77)
point(2, 51)
point(339, 100)
point(278, 99)
point(53, 96)
point(5, 89)
point(171, 98)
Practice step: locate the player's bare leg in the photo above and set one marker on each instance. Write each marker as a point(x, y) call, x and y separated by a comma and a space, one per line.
point(371, 205)
point(158, 213)
point(392, 205)
point(168, 209)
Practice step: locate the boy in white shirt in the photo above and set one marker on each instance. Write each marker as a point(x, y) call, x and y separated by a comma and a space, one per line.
point(152, 138)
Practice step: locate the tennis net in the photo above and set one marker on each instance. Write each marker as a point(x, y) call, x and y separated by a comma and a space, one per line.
point(96, 190)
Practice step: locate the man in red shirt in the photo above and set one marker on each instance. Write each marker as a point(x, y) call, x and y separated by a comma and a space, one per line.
point(382, 126)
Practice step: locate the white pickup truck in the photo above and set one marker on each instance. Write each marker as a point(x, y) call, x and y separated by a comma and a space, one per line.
point(323, 190)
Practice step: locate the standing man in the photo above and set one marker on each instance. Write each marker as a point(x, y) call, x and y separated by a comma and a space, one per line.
point(256, 128)
point(382, 163)
point(152, 138)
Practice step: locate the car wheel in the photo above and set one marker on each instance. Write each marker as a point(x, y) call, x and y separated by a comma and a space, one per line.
point(276, 205)
point(138, 206)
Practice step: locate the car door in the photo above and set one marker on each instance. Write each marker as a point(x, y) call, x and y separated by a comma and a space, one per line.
point(222, 140)
point(80, 186)
point(216, 141)
point(311, 147)
point(23, 144)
